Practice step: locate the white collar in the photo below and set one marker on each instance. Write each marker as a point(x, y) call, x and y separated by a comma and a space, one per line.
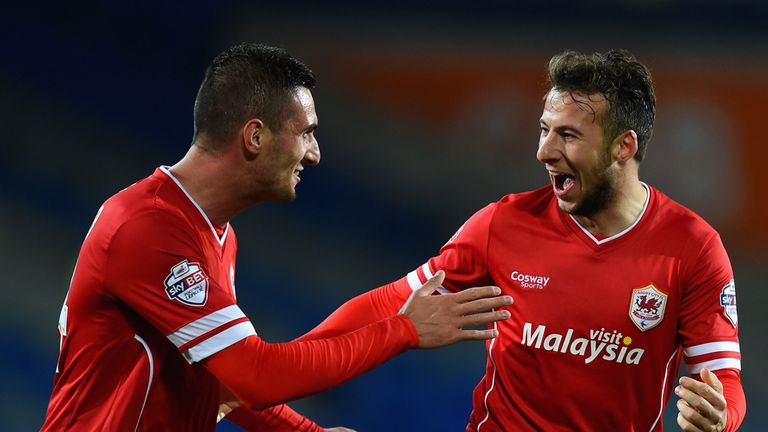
point(627, 229)
point(167, 170)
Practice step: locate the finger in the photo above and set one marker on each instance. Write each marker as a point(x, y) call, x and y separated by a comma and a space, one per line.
point(478, 334)
point(712, 380)
point(432, 284)
point(483, 318)
point(484, 305)
point(692, 416)
point(475, 293)
point(685, 425)
point(714, 397)
point(698, 403)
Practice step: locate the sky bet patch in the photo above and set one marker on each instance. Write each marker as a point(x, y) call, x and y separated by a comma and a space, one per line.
point(187, 283)
point(728, 302)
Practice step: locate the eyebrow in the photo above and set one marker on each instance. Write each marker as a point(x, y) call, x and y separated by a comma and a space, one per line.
point(562, 129)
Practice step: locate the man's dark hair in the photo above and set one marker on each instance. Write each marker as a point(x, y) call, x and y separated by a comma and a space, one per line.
point(621, 79)
point(247, 81)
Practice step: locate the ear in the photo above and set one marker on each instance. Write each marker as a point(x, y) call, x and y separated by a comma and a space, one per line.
point(254, 134)
point(625, 146)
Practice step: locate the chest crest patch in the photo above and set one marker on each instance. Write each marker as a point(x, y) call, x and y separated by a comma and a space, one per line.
point(646, 307)
point(187, 283)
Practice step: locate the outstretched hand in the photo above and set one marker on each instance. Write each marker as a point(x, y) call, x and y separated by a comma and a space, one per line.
point(440, 320)
point(702, 406)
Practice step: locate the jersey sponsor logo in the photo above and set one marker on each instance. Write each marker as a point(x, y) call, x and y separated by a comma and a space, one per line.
point(646, 307)
point(728, 302)
point(602, 344)
point(187, 283)
point(530, 281)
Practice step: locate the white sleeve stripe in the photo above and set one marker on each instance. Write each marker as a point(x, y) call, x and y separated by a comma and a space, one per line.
point(428, 273)
point(711, 347)
point(415, 283)
point(218, 342)
point(426, 270)
point(413, 280)
point(205, 324)
point(721, 363)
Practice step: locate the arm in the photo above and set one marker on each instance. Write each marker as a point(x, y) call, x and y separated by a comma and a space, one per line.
point(462, 258)
point(279, 418)
point(713, 401)
point(262, 374)
point(362, 310)
point(281, 372)
point(387, 300)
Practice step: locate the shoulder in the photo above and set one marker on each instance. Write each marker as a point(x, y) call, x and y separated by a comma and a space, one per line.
point(146, 209)
point(673, 218)
point(525, 205)
point(515, 207)
point(537, 200)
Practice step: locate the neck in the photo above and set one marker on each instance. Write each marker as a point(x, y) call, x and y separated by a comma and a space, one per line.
point(200, 172)
point(626, 207)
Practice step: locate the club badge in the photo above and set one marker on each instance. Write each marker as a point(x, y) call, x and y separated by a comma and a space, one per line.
point(646, 307)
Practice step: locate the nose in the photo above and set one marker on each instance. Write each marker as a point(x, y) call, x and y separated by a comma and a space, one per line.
point(548, 151)
point(312, 156)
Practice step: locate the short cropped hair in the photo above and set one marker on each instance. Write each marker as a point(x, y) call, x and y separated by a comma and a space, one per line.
point(625, 83)
point(247, 81)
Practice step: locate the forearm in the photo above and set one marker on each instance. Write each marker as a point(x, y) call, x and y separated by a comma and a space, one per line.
point(262, 375)
point(279, 418)
point(367, 308)
point(734, 396)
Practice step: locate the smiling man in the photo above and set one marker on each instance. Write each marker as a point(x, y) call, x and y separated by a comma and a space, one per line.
point(152, 338)
point(616, 283)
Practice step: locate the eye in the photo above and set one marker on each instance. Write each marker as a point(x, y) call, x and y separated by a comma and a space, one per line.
point(309, 133)
point(544, 130)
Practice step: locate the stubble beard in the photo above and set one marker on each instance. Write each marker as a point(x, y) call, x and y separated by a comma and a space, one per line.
point(600, 196)
point(286, 194)
point(274, 190)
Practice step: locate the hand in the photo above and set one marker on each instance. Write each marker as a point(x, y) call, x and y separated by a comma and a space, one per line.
point(339, 429)
point(702, 406)
point(439, 320)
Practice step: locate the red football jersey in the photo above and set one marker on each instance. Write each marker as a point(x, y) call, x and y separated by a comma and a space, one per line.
point(599, 326)
point(154, 279)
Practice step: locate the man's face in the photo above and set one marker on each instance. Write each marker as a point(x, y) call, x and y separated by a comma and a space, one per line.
point(573, 150)
point(287, 151)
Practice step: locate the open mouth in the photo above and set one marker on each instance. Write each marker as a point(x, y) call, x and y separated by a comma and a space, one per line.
point(563, 182)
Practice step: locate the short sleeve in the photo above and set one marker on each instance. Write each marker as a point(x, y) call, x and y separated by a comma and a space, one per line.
point(708, 325)
point(157, 267)
point(464, 258)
